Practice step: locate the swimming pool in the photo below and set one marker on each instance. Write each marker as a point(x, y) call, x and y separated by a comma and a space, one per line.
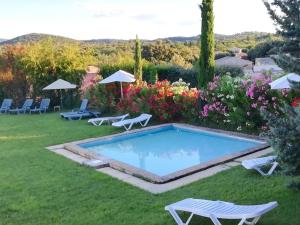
point(164, 153)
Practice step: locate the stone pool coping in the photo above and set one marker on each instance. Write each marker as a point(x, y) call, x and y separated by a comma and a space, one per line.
point(159, 188)
point(153, 178)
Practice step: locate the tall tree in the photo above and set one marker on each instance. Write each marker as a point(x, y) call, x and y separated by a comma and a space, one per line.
point(207, 44)
point(286, 15)
point(138, 68)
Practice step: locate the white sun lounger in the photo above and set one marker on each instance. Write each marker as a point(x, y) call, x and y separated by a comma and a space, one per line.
point(216, 210)
point(258, 163)
point(142, 119)
point(99, 121)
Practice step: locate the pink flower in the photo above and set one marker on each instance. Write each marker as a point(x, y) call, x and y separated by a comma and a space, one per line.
point(250, 91)
point(254, 105)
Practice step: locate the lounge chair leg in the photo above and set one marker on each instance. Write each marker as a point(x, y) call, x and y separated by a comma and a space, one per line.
point(215, 220)
point(146, 122)
point(253, 222)
point(129, 127)
point(260, 171)
point(99, 124)
point(178, 219)
point(275, 164)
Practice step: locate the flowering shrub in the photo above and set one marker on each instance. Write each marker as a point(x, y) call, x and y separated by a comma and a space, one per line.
point(162, 100)
point(89, 90)
point(237, 103)
point(296, 102)
point(234, 103)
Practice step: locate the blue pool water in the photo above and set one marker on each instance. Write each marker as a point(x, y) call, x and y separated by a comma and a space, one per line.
point(165, 150)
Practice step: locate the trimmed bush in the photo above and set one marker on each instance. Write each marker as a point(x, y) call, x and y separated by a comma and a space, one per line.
point(284, 136)
point(229, 70)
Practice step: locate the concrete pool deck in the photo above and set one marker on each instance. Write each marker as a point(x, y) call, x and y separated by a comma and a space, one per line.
point(109, 167)
point(159, 188)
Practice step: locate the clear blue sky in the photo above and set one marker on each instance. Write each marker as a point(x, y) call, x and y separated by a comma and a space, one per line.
point(87, 19)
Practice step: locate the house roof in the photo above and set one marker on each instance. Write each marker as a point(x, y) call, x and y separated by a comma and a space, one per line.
point(264, 61)
point(264, 68)
point(266, 64)
point(93, 69)
point(233, 61)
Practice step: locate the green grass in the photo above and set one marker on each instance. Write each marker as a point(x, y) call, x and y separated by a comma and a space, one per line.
point(40, 187)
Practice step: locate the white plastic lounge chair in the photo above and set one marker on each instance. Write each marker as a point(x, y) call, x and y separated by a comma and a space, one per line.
point(258, 163)
point(142, 119)
point(216, 210)
point(99, 121)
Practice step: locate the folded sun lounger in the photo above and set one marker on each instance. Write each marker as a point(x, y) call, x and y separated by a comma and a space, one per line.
point(80, 115)
point(99, 121)
point(82, 112)
point(142, 119)
point(44, 105)
point(26, 107)
point(258, 163)
point(82, 109)
point(216, 210)
point(6, 104)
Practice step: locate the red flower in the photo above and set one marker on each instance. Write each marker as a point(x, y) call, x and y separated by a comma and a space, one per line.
point(296, 102)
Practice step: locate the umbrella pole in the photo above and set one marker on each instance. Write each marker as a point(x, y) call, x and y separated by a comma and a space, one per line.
point(61, 100)
point(121, 91)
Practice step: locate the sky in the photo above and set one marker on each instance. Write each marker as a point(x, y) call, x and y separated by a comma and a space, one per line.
point(123, 19)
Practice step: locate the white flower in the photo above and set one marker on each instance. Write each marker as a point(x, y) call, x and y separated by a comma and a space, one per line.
point(239, 128)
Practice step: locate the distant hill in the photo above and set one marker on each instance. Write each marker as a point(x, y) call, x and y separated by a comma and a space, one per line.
point(34, 37)
point(221, 37)
point(103, 41)
point(180, 39)
point(1, 39)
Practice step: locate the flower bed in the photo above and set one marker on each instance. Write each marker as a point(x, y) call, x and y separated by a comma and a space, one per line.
point(236, 103)
point(233, 103)
point(164, 101)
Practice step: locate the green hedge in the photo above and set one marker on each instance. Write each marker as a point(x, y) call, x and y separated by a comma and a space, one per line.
point(164, 72)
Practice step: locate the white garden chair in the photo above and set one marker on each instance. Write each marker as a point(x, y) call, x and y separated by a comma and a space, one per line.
point(142, 119)
point(258, 163)
point(99, 121)
point(216, 210)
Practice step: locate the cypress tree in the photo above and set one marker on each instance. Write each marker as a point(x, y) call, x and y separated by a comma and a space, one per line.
point(286, 15)
point(207, 44)
point(138, 69)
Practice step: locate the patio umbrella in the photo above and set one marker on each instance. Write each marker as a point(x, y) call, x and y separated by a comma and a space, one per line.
point(60, 85)
point(119, 76)
point(283, 82)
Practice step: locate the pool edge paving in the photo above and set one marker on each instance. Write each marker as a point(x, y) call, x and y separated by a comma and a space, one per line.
point(152, 182)
point(159, 188)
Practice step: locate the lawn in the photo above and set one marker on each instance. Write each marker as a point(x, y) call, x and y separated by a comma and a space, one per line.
point(40, 187)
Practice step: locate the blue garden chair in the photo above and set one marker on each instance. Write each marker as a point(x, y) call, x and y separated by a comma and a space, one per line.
point(6, 105)
point(26, 107)
point(44, 105)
